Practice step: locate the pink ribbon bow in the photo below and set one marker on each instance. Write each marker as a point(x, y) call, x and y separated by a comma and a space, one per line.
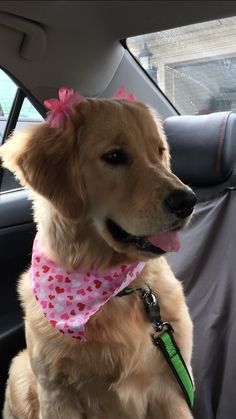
point(61, 109)
point(122, 94)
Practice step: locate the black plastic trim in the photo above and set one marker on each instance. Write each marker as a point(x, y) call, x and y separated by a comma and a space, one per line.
point(15, 208)
point(14, 113)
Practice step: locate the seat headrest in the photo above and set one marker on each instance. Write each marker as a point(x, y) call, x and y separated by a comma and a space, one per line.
point(203, 147)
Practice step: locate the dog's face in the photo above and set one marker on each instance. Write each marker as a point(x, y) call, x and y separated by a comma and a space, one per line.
point(111, 166)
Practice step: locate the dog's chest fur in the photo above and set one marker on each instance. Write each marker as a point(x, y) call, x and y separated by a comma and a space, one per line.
point(118, 361)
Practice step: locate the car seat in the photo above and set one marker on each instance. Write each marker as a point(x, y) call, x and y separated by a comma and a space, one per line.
point(203, 150)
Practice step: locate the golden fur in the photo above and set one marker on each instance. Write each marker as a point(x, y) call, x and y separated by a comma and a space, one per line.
point(117, 373)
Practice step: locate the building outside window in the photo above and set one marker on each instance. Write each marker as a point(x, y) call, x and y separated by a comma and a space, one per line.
point(195, 65)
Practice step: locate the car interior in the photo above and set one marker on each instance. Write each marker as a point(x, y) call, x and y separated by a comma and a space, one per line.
point(83, 44)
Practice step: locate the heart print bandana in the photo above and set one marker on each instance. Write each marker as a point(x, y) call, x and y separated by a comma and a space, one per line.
point(68, 299)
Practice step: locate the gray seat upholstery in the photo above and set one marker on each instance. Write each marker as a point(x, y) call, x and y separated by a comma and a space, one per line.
point(203, 150)
point(204, 156)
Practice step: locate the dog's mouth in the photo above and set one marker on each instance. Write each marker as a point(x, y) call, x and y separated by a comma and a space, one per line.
point(156, 243)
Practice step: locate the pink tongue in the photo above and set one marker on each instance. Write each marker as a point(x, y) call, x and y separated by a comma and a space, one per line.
point(169, 242)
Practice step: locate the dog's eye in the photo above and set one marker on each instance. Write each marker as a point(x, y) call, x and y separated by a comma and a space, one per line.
point(115, 157)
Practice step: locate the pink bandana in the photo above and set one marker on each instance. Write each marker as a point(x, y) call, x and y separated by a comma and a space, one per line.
point(69, 299)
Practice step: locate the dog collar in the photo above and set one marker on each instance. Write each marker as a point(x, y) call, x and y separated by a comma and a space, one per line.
point(68, 299)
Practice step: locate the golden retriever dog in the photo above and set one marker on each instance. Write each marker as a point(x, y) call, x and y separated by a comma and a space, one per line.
point(103, 192)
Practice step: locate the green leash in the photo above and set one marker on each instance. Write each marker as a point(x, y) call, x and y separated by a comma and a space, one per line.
point(167, 345)
point(165, 342)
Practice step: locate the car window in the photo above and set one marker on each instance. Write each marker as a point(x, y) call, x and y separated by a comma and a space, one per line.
point(7, 94)
point(28, 116)
point(16, 112)
point(194, 66)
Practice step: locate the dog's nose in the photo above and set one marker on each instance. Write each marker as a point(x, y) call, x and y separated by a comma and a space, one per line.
point(181, 202)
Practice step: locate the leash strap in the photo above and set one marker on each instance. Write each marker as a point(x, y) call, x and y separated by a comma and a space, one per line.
point(167, 345)
point(125, 291)
point(165, 342)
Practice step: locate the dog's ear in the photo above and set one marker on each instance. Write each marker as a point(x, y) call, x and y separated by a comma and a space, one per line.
point(46, 160)
point(162, 136)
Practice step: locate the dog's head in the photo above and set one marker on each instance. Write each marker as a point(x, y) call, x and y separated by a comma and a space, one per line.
point(110, 165)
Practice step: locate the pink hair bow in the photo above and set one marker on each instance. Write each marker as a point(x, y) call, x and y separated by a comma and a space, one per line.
point(61, 109)
point(122, 94)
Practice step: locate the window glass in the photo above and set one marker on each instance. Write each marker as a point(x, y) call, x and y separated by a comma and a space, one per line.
point(7, 94)
point(195, 65)
point(28, 115)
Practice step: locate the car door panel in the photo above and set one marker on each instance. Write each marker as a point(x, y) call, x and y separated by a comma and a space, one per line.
point(17, 231)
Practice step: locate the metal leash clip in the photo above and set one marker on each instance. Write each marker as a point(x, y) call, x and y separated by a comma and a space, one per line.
point(151, 305)
point(152, 308)
point(149, 296)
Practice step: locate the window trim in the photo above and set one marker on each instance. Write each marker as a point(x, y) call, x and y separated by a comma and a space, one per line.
point(14, 113)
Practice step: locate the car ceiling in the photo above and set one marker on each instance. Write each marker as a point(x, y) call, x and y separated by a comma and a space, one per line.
point(78, 41)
